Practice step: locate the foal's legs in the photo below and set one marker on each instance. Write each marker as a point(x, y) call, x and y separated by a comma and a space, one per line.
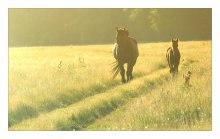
point(176, 69)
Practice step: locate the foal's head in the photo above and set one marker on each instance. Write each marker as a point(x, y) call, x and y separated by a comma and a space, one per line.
point(175, 42)
point(121, 35)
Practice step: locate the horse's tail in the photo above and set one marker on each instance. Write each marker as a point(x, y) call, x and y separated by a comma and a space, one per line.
point(115, 69)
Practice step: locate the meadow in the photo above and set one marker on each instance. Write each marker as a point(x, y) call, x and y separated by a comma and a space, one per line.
point(70, 88)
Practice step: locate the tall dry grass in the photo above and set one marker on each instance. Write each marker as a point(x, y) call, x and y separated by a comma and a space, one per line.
point(59, 85)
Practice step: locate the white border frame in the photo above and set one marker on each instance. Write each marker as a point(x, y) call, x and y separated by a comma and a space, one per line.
point(4, 5)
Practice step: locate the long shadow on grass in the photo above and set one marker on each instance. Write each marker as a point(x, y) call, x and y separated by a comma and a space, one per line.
point(24, 112)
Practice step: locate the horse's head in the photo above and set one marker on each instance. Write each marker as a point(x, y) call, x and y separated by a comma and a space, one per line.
point(175, 42)
point(121, 36)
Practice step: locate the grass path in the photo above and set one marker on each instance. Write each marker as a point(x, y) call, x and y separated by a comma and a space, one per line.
point(63, 100)
point(170, 106)
point(80, 96)
point(81, 114)
point(37, 86)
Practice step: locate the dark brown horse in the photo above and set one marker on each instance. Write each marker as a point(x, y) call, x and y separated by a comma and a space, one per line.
point(173, 56)
point(124, 51)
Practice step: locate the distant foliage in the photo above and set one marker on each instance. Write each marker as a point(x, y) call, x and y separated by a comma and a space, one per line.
point(28, 27)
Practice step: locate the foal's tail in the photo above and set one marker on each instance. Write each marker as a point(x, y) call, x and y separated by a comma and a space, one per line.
point(115, 69)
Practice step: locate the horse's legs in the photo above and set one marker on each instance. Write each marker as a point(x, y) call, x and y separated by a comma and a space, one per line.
point(171, 70)
point(129, 70)
point(170, 65)
point(175, 68)
point(122, 72)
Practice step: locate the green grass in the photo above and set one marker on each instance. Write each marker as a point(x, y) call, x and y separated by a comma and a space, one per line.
point(78, 93)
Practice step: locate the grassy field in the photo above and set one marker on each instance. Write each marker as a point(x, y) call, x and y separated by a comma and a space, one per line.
point(70, 88)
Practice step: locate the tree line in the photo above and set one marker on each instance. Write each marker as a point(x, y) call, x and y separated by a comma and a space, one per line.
point(45, 27)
